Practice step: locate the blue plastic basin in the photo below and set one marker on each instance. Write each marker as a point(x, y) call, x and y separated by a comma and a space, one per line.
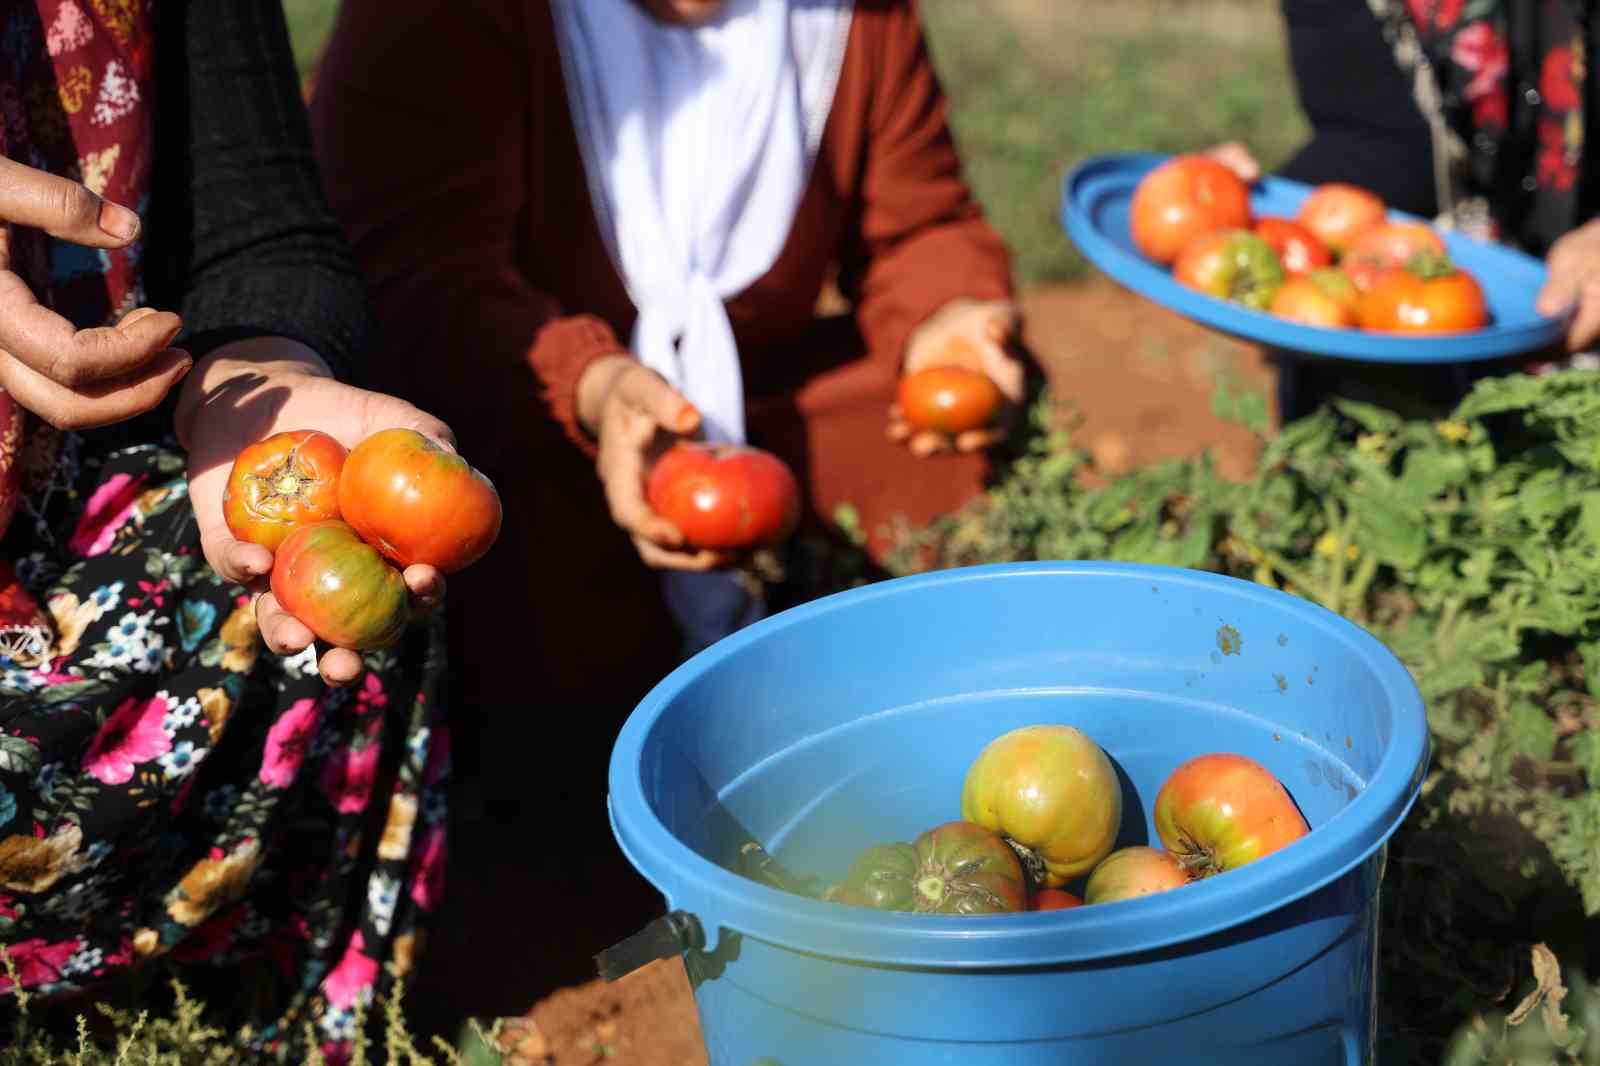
point(852, 720)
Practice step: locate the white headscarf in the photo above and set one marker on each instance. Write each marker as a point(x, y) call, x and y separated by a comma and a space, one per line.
point(699, 142)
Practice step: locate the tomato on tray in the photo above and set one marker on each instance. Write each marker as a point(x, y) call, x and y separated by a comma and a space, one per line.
point(1300, 250)
point(948, 399)
point(1233, 265)
point(725, 497)
point(1219, 811)
point(282, 482)
point(1326, 298)
point(1429, 295)
point(1386, 248)
point(954, 868)
point(1338, 212)
point(340, 587)
point(1133, 872)
point(1055, 899)
point(1182, 199)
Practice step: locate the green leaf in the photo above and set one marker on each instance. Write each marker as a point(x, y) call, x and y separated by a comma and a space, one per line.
point(18, 756)
point(1391, 530)
point(1529, 732)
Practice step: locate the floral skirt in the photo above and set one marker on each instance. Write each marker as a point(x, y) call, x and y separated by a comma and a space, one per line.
point(168, 787)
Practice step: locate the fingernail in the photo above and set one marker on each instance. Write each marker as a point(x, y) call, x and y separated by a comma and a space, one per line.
point(117, 221)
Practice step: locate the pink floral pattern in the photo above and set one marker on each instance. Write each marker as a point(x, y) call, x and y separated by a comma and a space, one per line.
point(109, 509)
point(354, 977)
point(130, 737)
point(287, 741)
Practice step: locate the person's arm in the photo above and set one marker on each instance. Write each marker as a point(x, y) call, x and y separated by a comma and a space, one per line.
point(421, 123)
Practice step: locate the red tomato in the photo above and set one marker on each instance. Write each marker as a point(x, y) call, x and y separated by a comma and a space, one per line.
point(948, 399)
point(417, 502)
point(1233, 265)
point(1050, 790)
point(725, 497)
point(1218, 812)
point(1055, 899)
point(282, 482)
point(1322, 298)
point(1387, 248)
point(1298, 248)
point(340, 587)
point(1133, 872)
point(1338, 212)
point(1428, 296)
point(1184, 198)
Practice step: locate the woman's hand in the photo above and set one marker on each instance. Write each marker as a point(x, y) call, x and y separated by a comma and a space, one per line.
point(76, 378)
point(633, 413)
point(1237, 158)
point(1574, 284)
point(247, 391)
point(977, 335)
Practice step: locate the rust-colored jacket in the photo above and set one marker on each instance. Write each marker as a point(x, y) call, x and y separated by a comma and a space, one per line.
point(448, 151)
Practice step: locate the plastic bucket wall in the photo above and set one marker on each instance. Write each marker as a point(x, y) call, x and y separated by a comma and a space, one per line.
point(852, 720)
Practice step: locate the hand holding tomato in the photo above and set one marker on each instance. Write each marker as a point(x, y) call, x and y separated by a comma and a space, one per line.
point(978, 336)
point(244, 393)
point(1574, 284)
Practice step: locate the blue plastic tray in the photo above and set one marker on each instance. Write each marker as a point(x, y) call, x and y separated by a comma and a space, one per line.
point(1094, 209)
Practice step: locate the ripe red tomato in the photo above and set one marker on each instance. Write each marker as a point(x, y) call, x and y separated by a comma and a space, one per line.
point(1218, 812)
point(955, 868)
point(1050, 790)
point(1184, 198)
point(1428, 296)
point(340, 587)
point(417, 502)
point(1338, 212)
point(1233, 265)
point(1133, 872)
point(1055, 899)
point(725, 497)
point(1386, 248)
point(1322, 298)
point(282, 482)
point(948, 399)
point(1298, 248)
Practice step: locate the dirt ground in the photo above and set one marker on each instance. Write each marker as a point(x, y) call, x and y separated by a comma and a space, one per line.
point(1141, 379)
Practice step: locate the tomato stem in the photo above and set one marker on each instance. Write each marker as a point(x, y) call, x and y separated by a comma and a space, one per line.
point(1032, 865)
point(932, 888)
point(1197, 860)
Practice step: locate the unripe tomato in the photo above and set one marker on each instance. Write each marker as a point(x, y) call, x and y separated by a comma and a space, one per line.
point(1133, 872)
point(725, 497)
point(417, 502)
point(282, 482)
point(1428, 296)
point(1182, 199)
point(1233, 265)
point(1337, 213)
point(1298, 248)
point(948, 399)
point(1384, 249)
point(1218, 812)
point(340, 587)
point(1053, 792)
point(1322, 298)
point(955, 868)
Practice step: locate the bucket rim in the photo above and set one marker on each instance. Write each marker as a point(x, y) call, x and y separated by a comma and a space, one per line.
point(723, 899)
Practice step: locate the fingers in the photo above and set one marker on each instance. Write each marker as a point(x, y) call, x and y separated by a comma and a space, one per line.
point(1584, 330)
point(340, 667)
point(236, 561)
point(62, 208)
point(1237, 158)
point(1003, 320)
point(659, 558)
point(426, 585)
point(648, 392)
point(97, 404)
point(926, 444)
point(282, 632)
point(74, 358)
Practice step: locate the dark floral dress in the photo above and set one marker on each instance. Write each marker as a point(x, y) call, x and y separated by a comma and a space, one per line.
point(168, 787)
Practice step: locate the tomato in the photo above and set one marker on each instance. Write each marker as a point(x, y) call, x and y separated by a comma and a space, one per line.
point(1218, 812)
point(1430, 295)
point(725, 497)
point(282, 482)
point(1052, 792)
point(1184, 198)
point(1322, 298)
point(340, 586)
point(417, 502)
point(955, 868)
point(948, 399)
point(1233, 265)
point(1386, 248)
point(1055, 899)
point(1337, 213)
point(1298, 248)
point(1132, 872)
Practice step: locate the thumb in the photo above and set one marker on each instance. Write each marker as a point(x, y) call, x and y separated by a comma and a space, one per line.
point(1001, 321)
point(647, 391)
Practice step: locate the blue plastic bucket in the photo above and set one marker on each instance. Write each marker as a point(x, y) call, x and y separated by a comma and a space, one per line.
point(852, 720)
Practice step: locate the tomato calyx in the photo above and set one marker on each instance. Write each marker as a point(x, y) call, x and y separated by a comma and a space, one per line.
point(1198, 860)
point(1430, 265)
point(286, 481)
point(1034, 869)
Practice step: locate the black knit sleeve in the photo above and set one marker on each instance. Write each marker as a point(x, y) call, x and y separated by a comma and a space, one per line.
point(242, 241)
point(1366, 126)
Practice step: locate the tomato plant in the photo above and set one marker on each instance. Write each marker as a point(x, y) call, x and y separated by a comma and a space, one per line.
point(1055, 899)
point(1053, 793)
point(1384, 249)
point(948, 399)
point(282, 482)
point(955, 868)
point(417, 502)
point(1182, 199)
point(1298, 248)
point(1322, 298)
point(1337, 213)
point(1129, 873)
point(1430, 295)
point(1219, 811)
point(340, 587)
point(725, 497)
point(1234, 265)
